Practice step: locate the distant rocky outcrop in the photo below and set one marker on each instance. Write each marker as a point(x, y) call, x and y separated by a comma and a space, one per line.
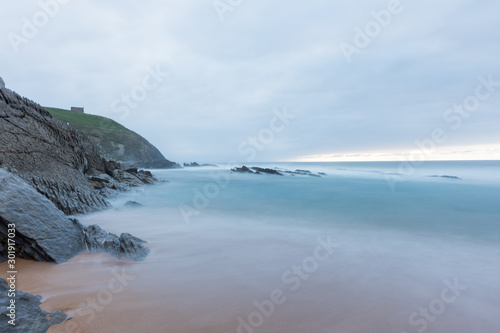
point(243, 169)
point(28, 315)
point(196, 164)
point(276, 171)
point(256, 170)
point(446, 176)
point(44, 233)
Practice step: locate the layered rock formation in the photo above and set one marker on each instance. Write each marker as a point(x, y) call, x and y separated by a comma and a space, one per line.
point(44, 233)
point(51, 156)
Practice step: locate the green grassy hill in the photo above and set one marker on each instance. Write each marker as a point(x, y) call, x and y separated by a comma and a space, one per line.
point(115, 141)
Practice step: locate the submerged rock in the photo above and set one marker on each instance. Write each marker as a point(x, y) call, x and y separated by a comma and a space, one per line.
point(133, 204)
point(29, 317)
point(132, 247)
point(268, 171)
point(446, 176)
point(243, 169)
point(98, 240)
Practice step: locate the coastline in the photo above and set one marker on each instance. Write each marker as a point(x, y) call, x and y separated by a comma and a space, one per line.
point(205, 276)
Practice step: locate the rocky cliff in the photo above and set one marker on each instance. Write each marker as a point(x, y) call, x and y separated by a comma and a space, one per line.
point(51, 156)
point(115, 141)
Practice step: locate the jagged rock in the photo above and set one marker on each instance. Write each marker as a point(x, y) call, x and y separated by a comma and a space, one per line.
point(146, 177)
point(43, 232)
point(28, 315)
point(133, 204)
point(131, 170)
point(108, 193)
point(127, 179)
point(101, 181)
point(2, 83)
point(132, 247)
point(243, 169)
point(98, 240)
point(268, 171)
point(93, 172)
point(49, 155)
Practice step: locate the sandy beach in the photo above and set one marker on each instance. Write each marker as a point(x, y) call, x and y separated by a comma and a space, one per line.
point(215, 278)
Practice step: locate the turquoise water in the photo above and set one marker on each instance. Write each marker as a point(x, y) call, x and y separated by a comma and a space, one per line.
point(402, 238)
point(356, 194)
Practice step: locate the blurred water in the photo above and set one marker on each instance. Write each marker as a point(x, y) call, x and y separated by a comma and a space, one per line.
point(397, 246)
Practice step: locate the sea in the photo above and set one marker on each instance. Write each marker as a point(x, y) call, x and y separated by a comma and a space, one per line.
point(344, 247)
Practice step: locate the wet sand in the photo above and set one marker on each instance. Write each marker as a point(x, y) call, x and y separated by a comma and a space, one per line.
point(217, 277)
point(105, 295)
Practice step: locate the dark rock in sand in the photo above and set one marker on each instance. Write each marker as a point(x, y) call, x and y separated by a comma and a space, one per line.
point(49, 155)
point(98, 240)
point(132, 247)
point(43, 232)
point(29, 316)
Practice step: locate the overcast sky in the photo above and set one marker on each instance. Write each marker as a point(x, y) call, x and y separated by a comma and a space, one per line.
point(266, 80)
